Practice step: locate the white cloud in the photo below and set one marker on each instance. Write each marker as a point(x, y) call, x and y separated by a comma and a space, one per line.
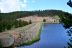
point(25, 1)
point(12, 5)
point(23, 4)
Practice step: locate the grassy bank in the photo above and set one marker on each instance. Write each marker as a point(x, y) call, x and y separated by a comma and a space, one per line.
point(37, 38)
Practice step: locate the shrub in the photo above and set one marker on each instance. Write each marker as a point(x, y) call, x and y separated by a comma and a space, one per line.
point(30, 21)
point(44, 20)
point(1, 45)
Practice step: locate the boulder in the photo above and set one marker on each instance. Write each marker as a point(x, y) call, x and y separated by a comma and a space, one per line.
point(6, 39)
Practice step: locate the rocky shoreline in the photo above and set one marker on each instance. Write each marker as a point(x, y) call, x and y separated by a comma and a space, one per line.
point(25, 35)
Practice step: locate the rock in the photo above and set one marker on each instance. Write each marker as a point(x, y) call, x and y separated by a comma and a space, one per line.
point(6, 39)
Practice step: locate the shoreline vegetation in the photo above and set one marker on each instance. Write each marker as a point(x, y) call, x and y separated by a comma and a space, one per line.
point(9, 20)
point(25, 32)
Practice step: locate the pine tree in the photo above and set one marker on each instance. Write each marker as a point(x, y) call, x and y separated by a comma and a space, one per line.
point(69, 3)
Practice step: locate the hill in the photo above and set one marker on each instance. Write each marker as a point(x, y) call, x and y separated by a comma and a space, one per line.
point(8, 20)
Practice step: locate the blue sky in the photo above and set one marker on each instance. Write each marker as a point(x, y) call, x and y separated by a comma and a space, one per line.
point(29, 5)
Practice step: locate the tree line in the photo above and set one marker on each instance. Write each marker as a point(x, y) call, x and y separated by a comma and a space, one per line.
point(8, 20)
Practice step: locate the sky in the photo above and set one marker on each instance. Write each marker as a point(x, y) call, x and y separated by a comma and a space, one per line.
point(30, 5)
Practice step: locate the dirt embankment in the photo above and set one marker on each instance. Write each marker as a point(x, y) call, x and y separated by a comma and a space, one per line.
point(24, 35)
point(40, 19)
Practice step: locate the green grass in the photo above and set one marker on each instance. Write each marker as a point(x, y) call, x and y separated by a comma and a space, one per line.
point(56, 17)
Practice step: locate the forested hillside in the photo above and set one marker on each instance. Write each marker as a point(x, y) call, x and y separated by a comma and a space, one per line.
point(19, 14)
point(8, 20)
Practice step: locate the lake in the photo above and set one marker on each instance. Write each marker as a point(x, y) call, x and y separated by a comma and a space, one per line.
point(52, 36)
